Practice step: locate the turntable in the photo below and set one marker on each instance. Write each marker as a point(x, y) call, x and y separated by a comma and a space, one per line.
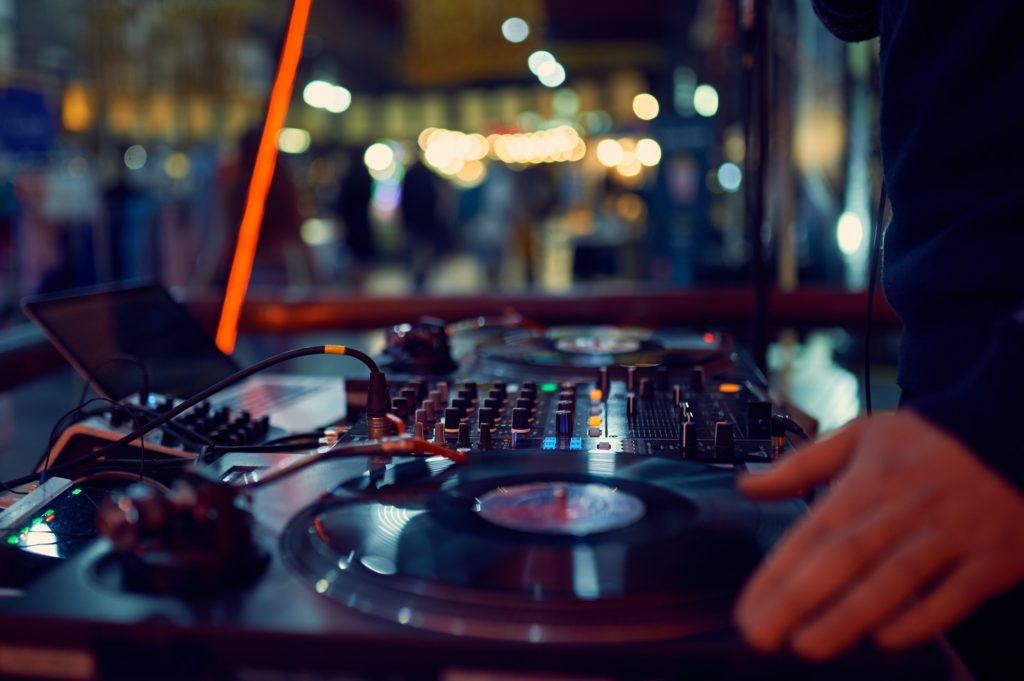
point(598, 565)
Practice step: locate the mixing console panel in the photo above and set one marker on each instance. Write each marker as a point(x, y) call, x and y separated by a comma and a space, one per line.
point(709, 419)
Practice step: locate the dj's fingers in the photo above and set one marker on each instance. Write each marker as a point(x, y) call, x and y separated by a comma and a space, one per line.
point(809, 466)
point(952, 600)
point(890, 586)
point(830, 546)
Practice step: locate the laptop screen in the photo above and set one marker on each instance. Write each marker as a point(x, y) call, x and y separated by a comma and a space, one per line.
point(143, 322)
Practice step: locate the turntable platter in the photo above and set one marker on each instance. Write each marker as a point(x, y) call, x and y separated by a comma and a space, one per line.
point(539, 547)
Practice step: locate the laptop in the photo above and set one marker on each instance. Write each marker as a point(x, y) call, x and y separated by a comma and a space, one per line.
point(145, 327)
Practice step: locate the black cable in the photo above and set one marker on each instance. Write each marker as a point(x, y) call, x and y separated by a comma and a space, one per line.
point(213, 389)
point(876, 257)
point(81, 415)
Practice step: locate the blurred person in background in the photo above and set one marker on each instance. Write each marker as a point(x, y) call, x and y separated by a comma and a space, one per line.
point(353, 209)
point(282, 257)
point(421, 219)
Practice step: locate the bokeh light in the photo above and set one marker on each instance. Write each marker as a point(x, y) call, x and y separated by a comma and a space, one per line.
point(849, 233)
point(293, 140)
point(648, 152)
point(705, 100)
point(646, 106)
point(515, 30)
point(135, 157)
point(379, 157)
point(610, 153)
point(730, 177)
point(537, 60)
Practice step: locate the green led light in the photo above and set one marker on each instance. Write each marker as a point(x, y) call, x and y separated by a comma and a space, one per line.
point(48, 511)
point(13, 539)
point(549, 387)
point(76, 491)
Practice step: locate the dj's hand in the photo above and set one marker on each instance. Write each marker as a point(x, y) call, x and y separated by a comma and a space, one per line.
point(913, 535)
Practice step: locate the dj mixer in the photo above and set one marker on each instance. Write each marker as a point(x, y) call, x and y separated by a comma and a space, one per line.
point(583, 524)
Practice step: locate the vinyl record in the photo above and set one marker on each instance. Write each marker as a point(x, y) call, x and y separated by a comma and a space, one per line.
point(540, 547)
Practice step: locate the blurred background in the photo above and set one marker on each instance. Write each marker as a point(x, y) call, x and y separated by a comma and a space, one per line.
point(598, 153)
point(450, 146)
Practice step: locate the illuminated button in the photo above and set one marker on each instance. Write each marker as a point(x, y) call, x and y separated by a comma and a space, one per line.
point(594, 432)
point(576, 444)
point(548, 444)
point(594, 421)
point(549, 387)
point(596, 395)
point(729, 388)
point(604, 445)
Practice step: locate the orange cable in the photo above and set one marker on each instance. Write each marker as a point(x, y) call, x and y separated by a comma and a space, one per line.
point(262, 174)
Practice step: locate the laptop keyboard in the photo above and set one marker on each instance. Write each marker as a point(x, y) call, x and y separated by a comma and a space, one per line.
point(262, 399)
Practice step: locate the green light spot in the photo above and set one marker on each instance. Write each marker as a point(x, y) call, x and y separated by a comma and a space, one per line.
point(76, 491)
point(13, 539)
point(549, 387)
point(36, 521)
point(48, 511)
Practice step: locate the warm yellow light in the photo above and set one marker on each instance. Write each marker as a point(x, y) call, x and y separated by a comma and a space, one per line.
point(176, 166)
point(630, 165)
point(379, 156)
point(610, 153)
point(476, 147)
point(648, 152)
point(646, 107)
point(76, 108)
point(471, 174)
point(424, 137)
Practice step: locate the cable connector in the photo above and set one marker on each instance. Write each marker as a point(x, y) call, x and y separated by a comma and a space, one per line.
point(377, 402)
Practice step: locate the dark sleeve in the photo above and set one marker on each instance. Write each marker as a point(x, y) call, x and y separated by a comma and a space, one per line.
point(851, 20)
point(986, 411)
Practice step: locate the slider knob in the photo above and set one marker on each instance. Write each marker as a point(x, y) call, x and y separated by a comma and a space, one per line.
point(646, 388)
point(688, 438)
point(563, 422)
point(631, 405)
point(602, 380)
point(521, 420)
point(724, 442)
point(677, 394)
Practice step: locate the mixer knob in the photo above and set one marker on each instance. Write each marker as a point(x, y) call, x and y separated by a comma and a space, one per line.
point(452, 418)
point(462, 404)
point(439, 433)
point(646, 388)
point(563, 422)
point(463, 440)
point(492, 403)
point(697, 379)
point(473, 390)
point(488, 416)
point(567, 396)
point(688, 438)
point(523, 403)
point(418, 430)
point(501, 387)
point(631, 405)
point(602, 380)
point(529, 385)
point(442, 389)
point(428, 408)
point(465, 394)
point(568, 387)
point(520, 420)
point(724, 443)
point(398, 406)
point(631, 379)
point(409, 395)
point(421, 416)
point(435, 397)
point(528, 394)
point(485, 441)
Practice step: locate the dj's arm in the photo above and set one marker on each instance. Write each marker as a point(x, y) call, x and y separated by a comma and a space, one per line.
point(983, 410)
point(851, 20)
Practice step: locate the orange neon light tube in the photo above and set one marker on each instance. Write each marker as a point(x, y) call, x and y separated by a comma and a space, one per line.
point(262, 174)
